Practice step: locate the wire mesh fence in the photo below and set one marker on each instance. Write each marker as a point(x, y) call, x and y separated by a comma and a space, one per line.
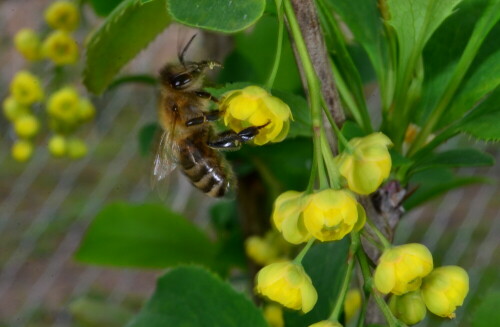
point(46, 205)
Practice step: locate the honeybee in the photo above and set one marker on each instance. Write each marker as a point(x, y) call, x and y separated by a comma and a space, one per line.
point(189, 140)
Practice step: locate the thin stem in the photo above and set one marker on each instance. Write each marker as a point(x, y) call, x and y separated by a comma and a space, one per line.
point(385, 242)
point(303, 252)
point(371, 240)
point(312, 177)
point(368, 286)
point(279, 45)
point(331, 166)
point(347, 279)
point(337, 131)
point(323, 181)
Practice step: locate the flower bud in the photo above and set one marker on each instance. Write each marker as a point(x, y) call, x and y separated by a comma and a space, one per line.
point(76, 148)
point(273, 314)
point(445, 289)
point(26, 88)
point(331, 214)
point(409, 308)
point(64, 105)
point(255, 107)
point(326, 323)
point(57, 145)
point(352, 303)
point(61, 48)
point(13, 109)
point(266, 250)
point(401, 268)
point(22, 150)
point(369, 163)
point(287, 283)
point(288, 217)
point(27, 42)
point(62, 15)
point(86, 110)
point(26, 126)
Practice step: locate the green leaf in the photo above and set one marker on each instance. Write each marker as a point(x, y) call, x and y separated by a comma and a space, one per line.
point(103, 8)
point(125, 32)
point(193, 297)
point(434, 182)
point(227, 16)
point(455, 158)
point(481, 122)
point(325, 263)
point(147, 136)
point(145, 236)
point(487, 313)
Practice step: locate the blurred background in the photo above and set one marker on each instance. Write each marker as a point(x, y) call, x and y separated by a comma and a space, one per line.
point(47, 203)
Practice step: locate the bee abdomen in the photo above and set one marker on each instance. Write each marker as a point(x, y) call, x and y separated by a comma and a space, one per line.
point(207, 170)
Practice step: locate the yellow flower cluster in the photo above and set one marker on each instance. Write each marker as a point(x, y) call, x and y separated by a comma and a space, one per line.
point(255, 107)
point(59, 46)
point(407, 272)
point(25, 91)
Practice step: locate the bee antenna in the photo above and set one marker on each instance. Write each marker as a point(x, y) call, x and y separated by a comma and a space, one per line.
point(183, 52)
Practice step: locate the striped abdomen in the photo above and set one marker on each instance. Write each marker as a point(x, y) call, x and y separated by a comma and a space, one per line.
point(205, 167)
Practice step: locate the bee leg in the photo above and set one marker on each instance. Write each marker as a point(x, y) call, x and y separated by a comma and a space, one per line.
point(206, 95)
point(212, 115)
point(230, 140)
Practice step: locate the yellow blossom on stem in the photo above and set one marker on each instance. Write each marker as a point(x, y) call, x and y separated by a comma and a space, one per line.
point(86, 110)
point(13, 109)
point(22, 150)
point(326, 323)
point(255, 107)
point(288, 284)
point(266, 250)
point(61, 48)
point(368, 164)
point(26, 126)
point(352, 303)
point(62, 15)
point(409, 308)
point(57, 145)
point(401, 268)
point(288, 216)
point(273, 314)
point(26, 88)
point(445, 289)
point(331, 214)
point(27, 42)
point(64, 105)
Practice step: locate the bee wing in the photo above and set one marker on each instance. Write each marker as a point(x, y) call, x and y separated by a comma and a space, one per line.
point(165, 159)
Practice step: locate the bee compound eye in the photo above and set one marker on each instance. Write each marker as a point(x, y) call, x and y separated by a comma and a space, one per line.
point(181, 80)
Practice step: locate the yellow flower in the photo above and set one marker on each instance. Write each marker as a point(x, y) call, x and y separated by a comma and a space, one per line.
point(13, 109)
point(27, 42)
point(288, 216)
point(287, 283)
point(26, 88)
point(401, 268)
point(266, 250)
point(64, 105)
point(352, 303)
point(274, 315)
point(409, 308)
point(26, 126)
point(62, 15)
point(445, 289)
point(22, 150)
point(369, 163)
point(76, 148)
point(86, 110)
point(61, 48)
point(326, 323)
point(331, 214)
point(254, 106)
point(57, 145)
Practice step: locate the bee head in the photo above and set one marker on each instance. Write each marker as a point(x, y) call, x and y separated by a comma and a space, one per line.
point(186, 76)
